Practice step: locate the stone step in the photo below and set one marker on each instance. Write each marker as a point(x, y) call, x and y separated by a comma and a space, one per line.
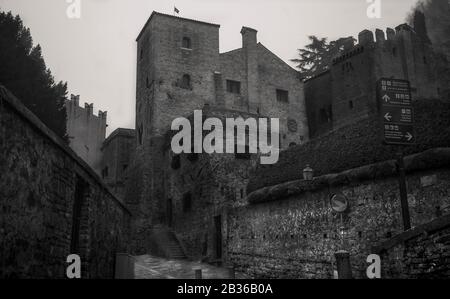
point(168, 241)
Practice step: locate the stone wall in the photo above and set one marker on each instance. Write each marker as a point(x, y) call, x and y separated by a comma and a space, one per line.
point(422, 253)
point(290, 231)
point(319, 102)
point(52, 203)
point(213, 184)
point(117, 156)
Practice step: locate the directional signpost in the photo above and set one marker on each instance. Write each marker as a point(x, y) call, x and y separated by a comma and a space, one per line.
point(397, 111)
point(398, 125)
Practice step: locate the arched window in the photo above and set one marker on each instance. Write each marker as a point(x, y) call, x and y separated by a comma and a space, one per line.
point(187, 43)
point(186, 82)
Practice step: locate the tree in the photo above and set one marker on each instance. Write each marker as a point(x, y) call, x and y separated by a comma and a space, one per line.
point(24, 73)
point(317, 56)
point(437, 17)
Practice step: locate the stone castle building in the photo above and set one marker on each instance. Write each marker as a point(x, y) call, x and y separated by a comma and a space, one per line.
point(347, 91)
point(117, 155)
point(179, 70)
point(86, 131)
point(190, 198)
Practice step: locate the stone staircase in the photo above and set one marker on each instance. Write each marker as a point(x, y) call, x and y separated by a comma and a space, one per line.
point(165, 243)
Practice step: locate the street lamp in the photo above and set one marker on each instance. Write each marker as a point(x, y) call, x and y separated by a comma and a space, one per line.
point(308, 173)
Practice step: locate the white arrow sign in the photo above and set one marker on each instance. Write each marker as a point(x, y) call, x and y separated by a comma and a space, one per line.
point(386, 98)
point(388, 117)
point(409, 136)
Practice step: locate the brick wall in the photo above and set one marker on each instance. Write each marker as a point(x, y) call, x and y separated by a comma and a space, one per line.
point(289, 230)
point(40, 181)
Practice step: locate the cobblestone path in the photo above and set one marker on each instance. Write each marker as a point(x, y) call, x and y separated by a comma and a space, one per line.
point(149, 267)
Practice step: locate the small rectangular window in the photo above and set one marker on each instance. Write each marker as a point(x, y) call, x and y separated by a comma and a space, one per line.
point(282, 96)
point(186, 44)
point(187, 202)
point(234, 87)
point(105, 173)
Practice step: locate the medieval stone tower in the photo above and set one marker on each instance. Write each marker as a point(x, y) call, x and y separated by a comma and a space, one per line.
point(179, 70)
point(174, 77)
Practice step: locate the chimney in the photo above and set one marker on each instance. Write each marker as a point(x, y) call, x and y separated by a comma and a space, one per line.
point(249, 37)
point(249, 46)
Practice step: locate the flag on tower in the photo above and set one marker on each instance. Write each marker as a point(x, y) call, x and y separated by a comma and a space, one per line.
point(176, 10)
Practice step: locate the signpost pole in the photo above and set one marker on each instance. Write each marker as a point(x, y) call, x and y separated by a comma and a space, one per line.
point(397, 113)
point(403, 192)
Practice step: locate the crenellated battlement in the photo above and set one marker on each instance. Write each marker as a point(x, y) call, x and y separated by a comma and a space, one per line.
point(86, 131)
point(376, 40)
point(356, 50)
point(88, 107)
point(347, 93)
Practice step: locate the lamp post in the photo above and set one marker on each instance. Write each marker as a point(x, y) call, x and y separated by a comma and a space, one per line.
point(308, 173)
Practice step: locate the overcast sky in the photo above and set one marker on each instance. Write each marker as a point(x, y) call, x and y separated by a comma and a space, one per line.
point(96, 54)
